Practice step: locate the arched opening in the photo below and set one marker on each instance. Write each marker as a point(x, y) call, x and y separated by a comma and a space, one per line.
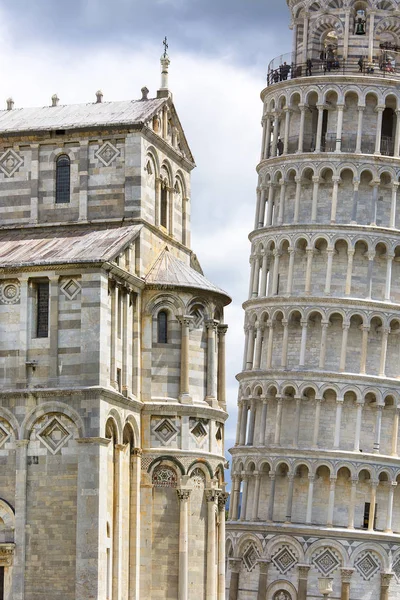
point(164, 205)
point(162, 327)
point(63, 179)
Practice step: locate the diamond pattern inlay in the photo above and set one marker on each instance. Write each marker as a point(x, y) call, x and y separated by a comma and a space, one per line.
point(284, 560)
point(107, 153)
point(165, 431)
point(54, 435)
point(199, 431)
point(4, 435)
point(250, 557)
point(71, 289)
point(396, 568)
point(326, 562)
point(367, 565)
point(10, 162)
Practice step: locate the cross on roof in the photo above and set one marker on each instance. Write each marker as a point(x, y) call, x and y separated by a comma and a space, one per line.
point(165, 42)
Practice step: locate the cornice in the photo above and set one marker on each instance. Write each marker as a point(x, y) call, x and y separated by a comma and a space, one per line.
point(316, 301)
point(176, 409)
point(322, 228)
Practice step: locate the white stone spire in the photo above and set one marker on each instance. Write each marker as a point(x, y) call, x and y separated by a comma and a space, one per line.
point(165, 62)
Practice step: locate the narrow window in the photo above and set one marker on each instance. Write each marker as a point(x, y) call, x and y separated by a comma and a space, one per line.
point(63, 180)
point(42, 309)
point(119, 380)
point(164, 205)
point(162, 327)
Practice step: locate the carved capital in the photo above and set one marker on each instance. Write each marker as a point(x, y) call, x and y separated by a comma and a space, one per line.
point(185, 320)
point(211, 495)
point(183, 495)
point(137, 452)
point(346, 574)
point(235, 564)
point(222, 499)
point(6, 555)
point(303, 571)
point(386, 578)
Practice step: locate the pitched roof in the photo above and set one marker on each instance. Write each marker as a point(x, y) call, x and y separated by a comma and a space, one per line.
point(170, 271)
point(75, 116)
point(63, 245)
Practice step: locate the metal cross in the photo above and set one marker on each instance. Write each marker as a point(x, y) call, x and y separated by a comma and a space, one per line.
point(165, 42)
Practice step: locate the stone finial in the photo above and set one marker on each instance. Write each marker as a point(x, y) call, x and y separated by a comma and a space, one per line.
point(10, 104)
point(55, 100)
point(145, 93)
point(99, 96)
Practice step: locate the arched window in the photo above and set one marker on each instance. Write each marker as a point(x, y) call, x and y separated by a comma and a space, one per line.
point(164, 205)
point(162, 327)
point(63, 180)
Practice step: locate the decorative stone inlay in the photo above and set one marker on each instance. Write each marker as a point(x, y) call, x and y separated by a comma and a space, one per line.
point(284, 560)
point(250, 557)
point(367, 565)
point(326, 562)
point(197, 315)
point(165, 431)
point(199, 431)
point(198, 479)
point(164, 476)
point(282, 595)
point(54, 435)
point(4, 436)
point(71, 288)
point(10, 162)
point(107, 153)
point(10, 292)
point(396, 568)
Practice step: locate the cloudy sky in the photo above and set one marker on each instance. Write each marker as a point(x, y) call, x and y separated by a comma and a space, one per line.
point(219, 52)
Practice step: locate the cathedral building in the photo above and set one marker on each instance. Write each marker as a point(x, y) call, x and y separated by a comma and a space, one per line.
point(315, 508)
point(112, 360)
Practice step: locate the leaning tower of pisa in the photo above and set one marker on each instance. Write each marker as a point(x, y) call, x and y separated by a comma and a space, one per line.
point(315, 505)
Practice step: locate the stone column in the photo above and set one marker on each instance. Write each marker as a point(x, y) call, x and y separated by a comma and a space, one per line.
point(256, 499)
point(382, 366)
point(183, 578)
point(378, 428)
point(184, 393)
point(125, 349)
point(285, 343)
point(361, 110)
point(275, 280)
point(270, 343)
point(303, 344)
point(353, 500)
point(281, 213)
point(235, 497)
point(271, 499)
point(310, 498)
point(258, 349)
point(256, 277)
point(324, 334)
point(18, 585)
point(243, 509)
point(298, 181)
point(264, 136)
point(297, 422)
point(386, 578)
point(211, 589)
point(117, 521)
point(247, 330)
point(346, 34)
point(264, 422)
point(356, 186)
point(335, 191)
point(339, 128)
point(234, 566)
point(317, 421)
point(264, 275)
point(239, 421)
point(397, 136)
point(252, 261)
point(395, 187)
point(338, 423)
point(388, 285)
point(314, 207)
point(372, 508)
point(349, 276)
point(303, 579)
point(171, 211)
point(278, 422)
point(287, 112)
point(289, 286)
point(395, 433)
point(331, 504)
point(268, 136)
point(302, 108)
point(328, 281)
point(289, 502)
point(310, 256)
point(374, 205)
point(343, 352)
point(305, 37)
point(252, 424)
point(263, 579)
point(134, 525)
point(275, 136)
point(371, 258)
point(260, 213)
point(250, 349)
point(318, 141)
point(53, 330)
point(221, 379)
point(270, 206)
point(371, 35)
point(358, 426)
point(364, 349)
point(244, 423)
point(346, 575)
point(379, 110)
point(222, 498)
point(113, 367)
point(389, 513)
point(211, 362)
